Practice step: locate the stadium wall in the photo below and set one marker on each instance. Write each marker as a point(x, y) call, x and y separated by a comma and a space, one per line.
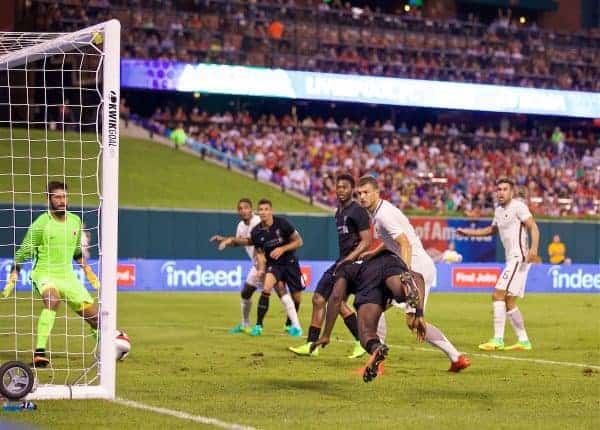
point(177, 234)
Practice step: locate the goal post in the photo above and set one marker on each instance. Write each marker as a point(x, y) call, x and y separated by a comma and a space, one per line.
point(59, 120)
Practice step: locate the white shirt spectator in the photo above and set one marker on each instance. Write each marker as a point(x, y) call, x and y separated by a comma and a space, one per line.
point(264, 174)
point(299, 180)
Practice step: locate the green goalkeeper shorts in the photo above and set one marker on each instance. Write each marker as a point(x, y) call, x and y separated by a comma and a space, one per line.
point(70, 289)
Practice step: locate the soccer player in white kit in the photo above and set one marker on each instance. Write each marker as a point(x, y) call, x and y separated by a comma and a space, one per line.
point(254, 279)
point(398, 236)
point(511, 217)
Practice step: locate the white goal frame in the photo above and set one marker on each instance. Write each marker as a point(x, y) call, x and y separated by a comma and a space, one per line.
point(108, 187)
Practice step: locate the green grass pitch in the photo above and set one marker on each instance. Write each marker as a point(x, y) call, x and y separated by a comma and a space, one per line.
point(183, 359)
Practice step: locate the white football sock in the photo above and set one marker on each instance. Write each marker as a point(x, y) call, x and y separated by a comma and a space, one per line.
point(499, 319)
point(382, 328)
point(436, 338)
point(518, 323)
point(290, 308)
point(246, 307)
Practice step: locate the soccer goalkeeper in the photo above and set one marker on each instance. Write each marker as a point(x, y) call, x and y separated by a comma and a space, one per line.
point(53, 241)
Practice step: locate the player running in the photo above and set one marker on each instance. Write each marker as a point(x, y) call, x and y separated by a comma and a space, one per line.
point(354, 238)
point(254, 279)
point(374, 283)
point(53, 241)
point(510, 219)
point(398, 236)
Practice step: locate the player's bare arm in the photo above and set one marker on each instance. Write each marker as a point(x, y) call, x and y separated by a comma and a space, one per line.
point(231, 241)
point(362, 247)
point(370, 254)
point(485, 231)
point(405, 248)
point(261, 261)
point(532, 256)
point(296, 242)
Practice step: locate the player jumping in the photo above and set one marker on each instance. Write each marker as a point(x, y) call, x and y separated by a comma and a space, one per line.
point(53, 241)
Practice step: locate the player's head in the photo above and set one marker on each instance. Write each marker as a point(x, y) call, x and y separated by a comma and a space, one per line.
point(556, 238)
point(344, 186)
point(265, 210)
point(504, 190)
point(368, 192)
point(244, 208)
point(57, 197)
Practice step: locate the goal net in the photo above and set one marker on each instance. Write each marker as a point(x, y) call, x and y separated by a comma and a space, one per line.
point(59, 101)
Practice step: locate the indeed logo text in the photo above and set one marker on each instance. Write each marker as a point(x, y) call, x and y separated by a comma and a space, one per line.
point(200, 277)
point(575, 280)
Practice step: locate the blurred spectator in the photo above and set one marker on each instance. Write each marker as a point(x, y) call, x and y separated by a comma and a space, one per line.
point(436, 172)
point(276, 29)
point(558, 138)
point(178, 136)
point(341, 39)
point(450, 255)
point(557, 251)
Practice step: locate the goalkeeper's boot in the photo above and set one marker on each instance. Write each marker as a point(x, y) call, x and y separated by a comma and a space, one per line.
point(358, 350)
point(304, 350)
point(375, 360)
point(256, 330)
point(239, 329)
point(460, 364)
point(39, 359)
point(295, 331)
point(492, 345)
point(522, 345)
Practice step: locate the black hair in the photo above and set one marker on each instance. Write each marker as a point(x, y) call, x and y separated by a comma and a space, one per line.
point(346, 177)
point(55, 185)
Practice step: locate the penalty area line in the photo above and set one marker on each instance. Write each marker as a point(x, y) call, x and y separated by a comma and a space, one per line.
point(473, 354)
point(182, 415)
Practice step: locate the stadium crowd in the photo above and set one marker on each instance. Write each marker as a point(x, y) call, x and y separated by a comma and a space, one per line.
point(437, 167)
point(335, 37)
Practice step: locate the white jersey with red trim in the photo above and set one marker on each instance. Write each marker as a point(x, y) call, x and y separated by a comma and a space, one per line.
point(243, 232)
point(389, 223)
point(510, 222)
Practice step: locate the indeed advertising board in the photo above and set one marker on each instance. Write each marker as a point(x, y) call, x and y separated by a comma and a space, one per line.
point(229, 275)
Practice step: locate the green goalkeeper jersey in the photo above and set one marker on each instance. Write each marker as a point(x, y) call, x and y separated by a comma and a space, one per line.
point(52, 245)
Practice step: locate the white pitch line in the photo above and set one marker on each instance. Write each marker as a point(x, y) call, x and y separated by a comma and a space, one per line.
point(499, 357)
point(182, 415)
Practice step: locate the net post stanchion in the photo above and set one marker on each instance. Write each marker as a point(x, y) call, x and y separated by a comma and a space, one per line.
point(109, 206)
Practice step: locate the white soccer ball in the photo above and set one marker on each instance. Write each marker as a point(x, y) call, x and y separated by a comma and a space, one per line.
point(122, 344)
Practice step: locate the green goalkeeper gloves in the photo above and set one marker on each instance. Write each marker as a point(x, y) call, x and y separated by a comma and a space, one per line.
point(10, 284)
point(91, 277)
